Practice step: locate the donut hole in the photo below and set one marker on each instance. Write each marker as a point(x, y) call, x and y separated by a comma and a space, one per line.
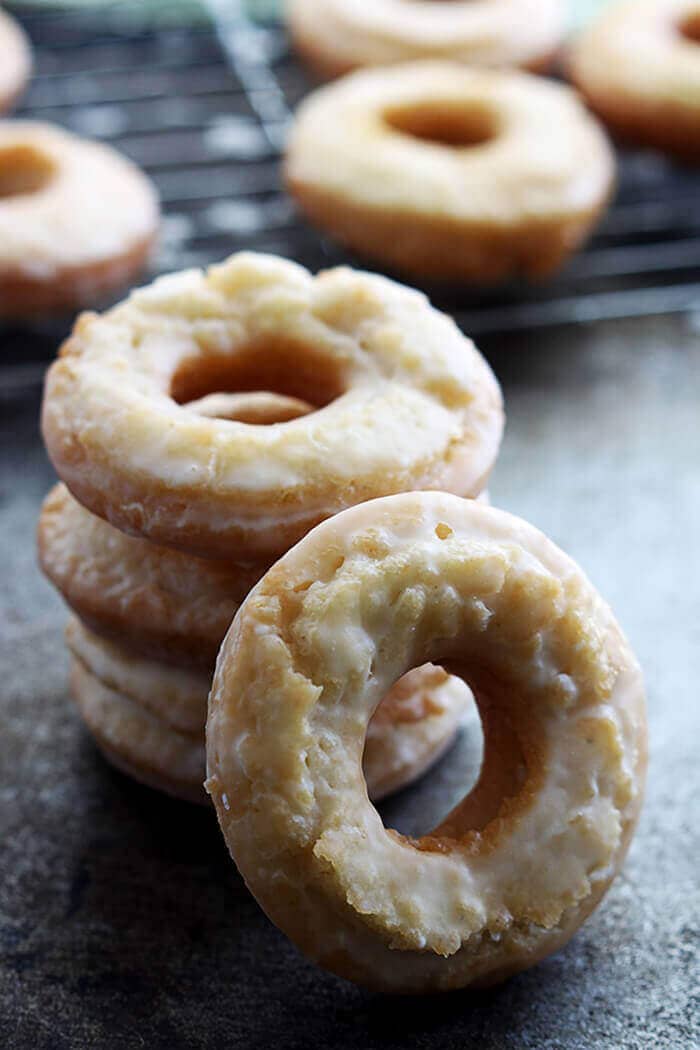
point(420, 807)
point(690, 27)
point(446, 123)
point(23, 170)
point(297, 373)
point(483, 782)
point(259, 408)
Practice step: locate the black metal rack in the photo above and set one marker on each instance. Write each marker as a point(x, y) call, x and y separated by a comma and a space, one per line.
point(203, 108)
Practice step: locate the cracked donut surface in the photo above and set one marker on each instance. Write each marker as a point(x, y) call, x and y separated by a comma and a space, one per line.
point(404, 401)
point(149, 718)
point(514, 869)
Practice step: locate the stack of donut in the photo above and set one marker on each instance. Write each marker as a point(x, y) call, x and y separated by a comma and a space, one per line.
point(242, 444)
point(272, 485)
point(200, 429)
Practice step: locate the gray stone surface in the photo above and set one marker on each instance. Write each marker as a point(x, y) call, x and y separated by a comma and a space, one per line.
point(122, 921)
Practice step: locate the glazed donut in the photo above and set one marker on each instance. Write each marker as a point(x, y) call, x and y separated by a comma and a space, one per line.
point(15, 61)
point(336, 36)
point(160, 603)
point(135, 741)
point(451, 173)
point(404, 401)
point(151, 718)
point(517, 866)
point(175, 696)
point(77, 220)
point(638, 66)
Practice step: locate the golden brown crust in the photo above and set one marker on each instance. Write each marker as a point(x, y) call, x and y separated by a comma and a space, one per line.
point(432, 248)
point(384, 161)
point(77, 287)
point(160, 603)
point(661, 125)
point(175, 696)
point(136, 741)
point(519, 864)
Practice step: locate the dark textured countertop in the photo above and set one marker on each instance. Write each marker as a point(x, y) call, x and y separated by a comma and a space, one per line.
point(122, 921)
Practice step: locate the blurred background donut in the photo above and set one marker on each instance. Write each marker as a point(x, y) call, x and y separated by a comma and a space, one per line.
point(337, 36)
point(15, 61)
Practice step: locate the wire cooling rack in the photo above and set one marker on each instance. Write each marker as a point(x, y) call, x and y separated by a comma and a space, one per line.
point(203, 108)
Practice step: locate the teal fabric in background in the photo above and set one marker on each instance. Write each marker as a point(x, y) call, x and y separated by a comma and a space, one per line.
point(187, 10)
point(584, 9)
point(580, 9)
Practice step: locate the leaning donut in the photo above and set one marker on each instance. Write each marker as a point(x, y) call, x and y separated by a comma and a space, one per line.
point(638, 66)
point(444, 172)
point(404, 401)
point(517, 866)
point(77, 220)
point(158, 603)
point(15, 63)
point(336, 36)
point(149, 718)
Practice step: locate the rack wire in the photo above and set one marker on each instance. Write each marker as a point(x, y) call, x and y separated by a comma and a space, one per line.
point(203, 107)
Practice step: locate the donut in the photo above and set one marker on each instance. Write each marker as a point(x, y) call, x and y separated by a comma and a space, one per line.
point(15, 61)
point(449, 173)
point(149, 719)
point(135, 741)
point(175, 696)
point(77, 220)
point(337, 36)
point(638, 66)
point(160, 603)
point(403, 401)
point(515, 868)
